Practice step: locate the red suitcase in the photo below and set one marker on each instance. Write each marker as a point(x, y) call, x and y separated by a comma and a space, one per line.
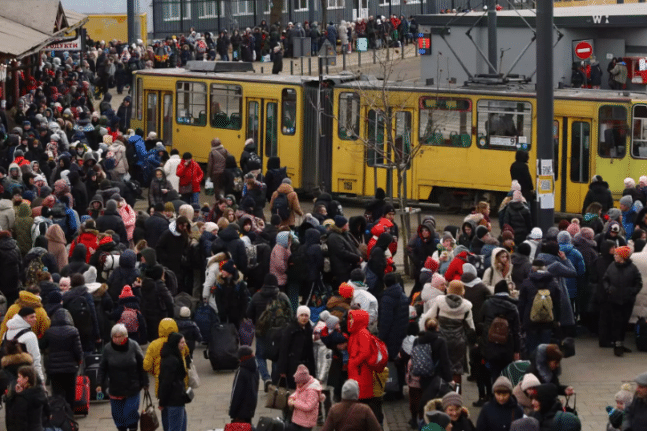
point(82, 396)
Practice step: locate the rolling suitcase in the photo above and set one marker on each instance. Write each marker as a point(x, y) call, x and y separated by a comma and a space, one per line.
point(91, 371)
point(641, 335)
point(223, 347)
point(82, 396)
point(204, 318)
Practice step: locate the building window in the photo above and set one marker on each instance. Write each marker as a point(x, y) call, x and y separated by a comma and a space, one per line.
point(348, 116)
point(445, 122)
point(242, 7)
point(268, 6)
point(171, 10)
point(335, 4)
point(613, 131)
point(300, 5)
point(504, 124)
point(207, 9)
point(288, 111)
point(191, 103)
point(386, 3)
point(226, 106)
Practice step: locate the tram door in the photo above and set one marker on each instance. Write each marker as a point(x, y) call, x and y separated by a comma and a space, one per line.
point(262, 126)
point(159, 115)
point(558, 137)
point(578, 162)
point(379, 155)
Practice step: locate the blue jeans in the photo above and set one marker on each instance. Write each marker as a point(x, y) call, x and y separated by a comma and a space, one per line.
point(174, 419)
point(261, 362)
point(224, 57)
point(535, 337)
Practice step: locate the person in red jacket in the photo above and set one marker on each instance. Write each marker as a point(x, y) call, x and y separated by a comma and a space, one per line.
point(190, 176)
point(455, 268)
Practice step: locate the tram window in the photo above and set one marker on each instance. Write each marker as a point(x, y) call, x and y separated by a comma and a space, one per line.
point(580, 151)
point(403, 135)
point(226, 106)
point(271, 132)
point(191, 103)
point(288, 111)
point(613, 131)
point(139, 99)
point(639, 134)
point(445, 122)
point(375, 135)
point(348, 116)
point(504, 124)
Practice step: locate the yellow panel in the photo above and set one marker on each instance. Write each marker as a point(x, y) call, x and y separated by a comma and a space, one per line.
point(113, 26)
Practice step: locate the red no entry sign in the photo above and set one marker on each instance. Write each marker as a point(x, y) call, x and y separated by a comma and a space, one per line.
point(583, 50)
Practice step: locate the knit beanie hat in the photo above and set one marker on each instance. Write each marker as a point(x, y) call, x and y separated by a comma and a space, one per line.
point(340, 221)
point(26, 311)
point(501, 287)
point(432, 264)
point(456, 287)
point(588, 233)
point(438, 282)
point(564, 237)
point(625, 395)
point(566, 421)
point(350, 390)
point(563, 224)
point(524, 249)
point(452, 399)
point(536, 233)
point(529, 381)
point(126, 292)
point(626, 200)
point(517, 196)
point(468, 268)
point(438, 417)
point(357, 275)
point(390, 279)
point(515, 186)
point(270, 280)
point(614, 214)
point(481, 231)
point(303, 310)
point(346, 290)
point(525, 424)
point(614, 226)
point(228, 266)
point(553, 353)
point(302, 375)
point(573, 229)
point(331, 322)
point(502, 384)
point(169, 207)
point(244, 351)
point(185, 312)
point(624, 252)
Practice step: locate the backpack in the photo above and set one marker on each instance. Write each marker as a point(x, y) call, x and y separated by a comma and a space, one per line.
point(80, 311)
point(252, 258)
point(3, 345)
point(277, 314)
point(34, 267)
point(62, 416)
point(108, 262)
point(542, 307)
point(281, 206)
point(201, 47)
point(422, 363)
point(253, 157)
point(324, 250)
point(130, 319)
point(59, 216)
point(479, 263)
point(238, 183)
point(499, 331)
point(379, 355)
point(39, 228)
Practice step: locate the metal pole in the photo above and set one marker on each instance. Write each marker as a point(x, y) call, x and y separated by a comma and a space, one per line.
point(359, 59)
point(546, 205)
point(343, 56)
point(130, 11)
point(318, 125)
point(309, 66)
point(491, 35)
point(301, 65)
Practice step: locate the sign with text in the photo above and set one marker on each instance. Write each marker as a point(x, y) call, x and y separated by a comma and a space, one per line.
point(69, 45)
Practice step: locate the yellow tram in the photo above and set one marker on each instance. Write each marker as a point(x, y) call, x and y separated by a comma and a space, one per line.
point(331, 134)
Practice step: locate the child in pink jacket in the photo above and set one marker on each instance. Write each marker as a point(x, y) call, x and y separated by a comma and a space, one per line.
point(305, 400)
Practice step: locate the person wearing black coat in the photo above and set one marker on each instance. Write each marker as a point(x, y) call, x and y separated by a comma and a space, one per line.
point(549, 405)
point(157, 302)
point(599, 300)
point(26, 402)
point(232, 175)
point(598, 192)
point(111, 220)
point(229, 241)
point(244, 391)
point(517, 215)
point(274, 175)
point(125, 274)
point(499, 413)
point(171, 392)
point(63, 343)
point(519, 171)
point(377, 263)
point(621, 282)
point(156, 225)
point(76, 264)
point(296, 348)
point(545, 365)
point(10, 266)
point(500, 305)
point(122, 363)
point(231, 294)
point(375, 207)
point(277, 65)
point(440, 356)
point(394, 321)
point(172, 250)
point(314, 257)
point(79, 192)
point(88, 333)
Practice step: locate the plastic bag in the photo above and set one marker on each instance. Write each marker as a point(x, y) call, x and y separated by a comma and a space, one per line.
point(208, 187)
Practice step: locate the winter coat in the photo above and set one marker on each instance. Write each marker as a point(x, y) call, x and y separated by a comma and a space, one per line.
point(190, 175)
point(635, 415)
point(393, 318)
point(517, 215)
point(274, 175)
point(27, 299)
point(343, 256)
point(155, 226)
point(126, 274)
point(111, 220)
point(477, 293)
point(172, 379)
point(157, 302)
point(86, 333)
point(506, 307)
point(598, 192)
point(528, 290)
point(10, 266)
point(521, 267)
point(640, 306)
point(578, 263)
point(296, 348)
point(244, 391)
point(22, 228)
point(622, 282)
point(229, 241)
point(56, 244)
point(213, 270)
point(455, 268)
point(170, 170)
point(495, 416)
point(419, 248)
point(314, 255)
point(519, 171)
point(119, 151)
point(561, 269)
point(153, 357)
point(540, 368)
point(123, 366)
point(350, 415)
point(189, 331)
point(89, 238)
point(15, 325)
point(306, 403)
point(232, 299)
point(25, 409)
point(77, 261)
point(261, 299)
point(63, 343)
point(172, 248)
point(492, 275)
point(293, 203)
point(10, 365)
point(129, 218)
point(456, 325)
point(280, 257)
point(359, 351)
point(216, 164)
point(7, 215)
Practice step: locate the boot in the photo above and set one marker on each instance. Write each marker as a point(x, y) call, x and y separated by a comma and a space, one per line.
point(618, 350)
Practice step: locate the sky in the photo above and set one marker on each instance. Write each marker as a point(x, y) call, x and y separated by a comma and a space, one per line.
point(101, 6)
